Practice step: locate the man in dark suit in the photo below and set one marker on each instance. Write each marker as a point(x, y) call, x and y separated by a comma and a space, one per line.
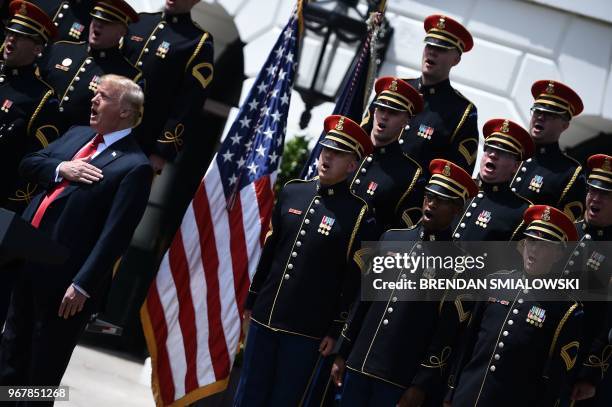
point(96, 181)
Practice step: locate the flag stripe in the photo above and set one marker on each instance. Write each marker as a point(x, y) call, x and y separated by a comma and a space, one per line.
point(216, 343)
point(191, 241)
point(195, 305)
point(156, 316)
point(174, 342)
point(178, 263)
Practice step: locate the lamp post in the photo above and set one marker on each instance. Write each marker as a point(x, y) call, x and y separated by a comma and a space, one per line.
point(333, 35)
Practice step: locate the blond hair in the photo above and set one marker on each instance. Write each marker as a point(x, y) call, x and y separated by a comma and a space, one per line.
point(131, 95)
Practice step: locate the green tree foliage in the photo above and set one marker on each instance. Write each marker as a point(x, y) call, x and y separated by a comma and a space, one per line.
point(294, 157)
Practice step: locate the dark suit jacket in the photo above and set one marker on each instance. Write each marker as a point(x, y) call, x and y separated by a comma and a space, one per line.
point(95, 221)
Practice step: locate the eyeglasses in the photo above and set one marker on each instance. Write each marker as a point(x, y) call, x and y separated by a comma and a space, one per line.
point(547, 115)
point(500, 153)
point(439, 198)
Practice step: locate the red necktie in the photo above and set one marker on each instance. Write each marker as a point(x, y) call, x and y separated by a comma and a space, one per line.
point(86, 151)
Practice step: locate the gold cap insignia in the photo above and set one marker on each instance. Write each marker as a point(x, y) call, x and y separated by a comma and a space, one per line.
point(607, 165)
point(505, 126)
point(441, 23)
point(550, 89)
point(393, 86)
point(23, 10)
point(447, 170)
point(340, 124)
point(546, 214)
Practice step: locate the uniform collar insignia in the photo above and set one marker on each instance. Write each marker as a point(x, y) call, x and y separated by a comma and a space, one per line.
point(597, 231)
point(488, 188)
point(548, 148)
point(177, 18)
point(444, 235)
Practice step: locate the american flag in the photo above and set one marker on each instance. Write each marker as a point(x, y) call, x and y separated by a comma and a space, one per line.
point(192, 314)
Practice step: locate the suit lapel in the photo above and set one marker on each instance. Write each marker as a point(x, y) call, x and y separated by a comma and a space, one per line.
point(108, 156)
point(103, 159)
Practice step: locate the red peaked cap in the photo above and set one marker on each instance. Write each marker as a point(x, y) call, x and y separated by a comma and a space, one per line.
point(397, 94)
point(555, 97)
point(443, 31)
point(27, 19)
point(114, 11)
point(343, 134)
point(450, 181)
point(507, 135)
point(547, 223)
point(600, 176)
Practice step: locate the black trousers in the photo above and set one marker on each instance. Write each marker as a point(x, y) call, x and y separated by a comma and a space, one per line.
point(37, 344)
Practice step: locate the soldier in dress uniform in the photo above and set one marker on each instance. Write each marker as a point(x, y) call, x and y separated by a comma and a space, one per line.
point(388, 179)
point(552, 177)
point(496, 213)
point(74, 69)
point(447, 127)
point(385, 360)
point(593, 260)
point(71, 17)
point(520, 348)
point(306, 277)
point(28, 103)
point(176, 57)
